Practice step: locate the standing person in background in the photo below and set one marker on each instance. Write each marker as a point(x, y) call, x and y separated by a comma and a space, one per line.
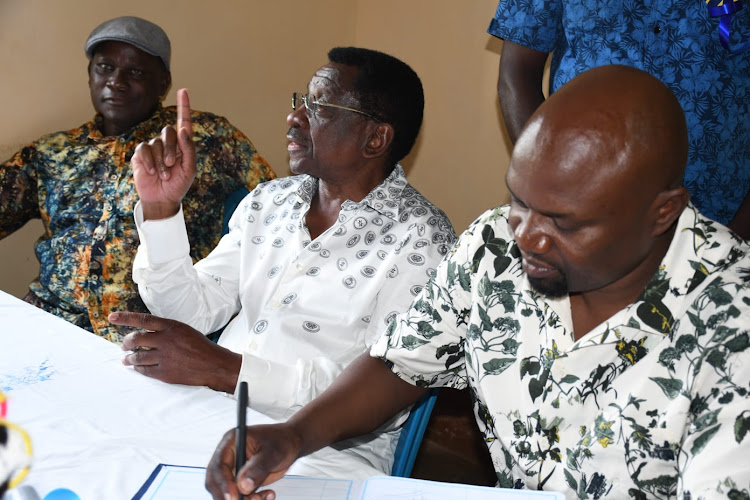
point(681, 42)
point(79, 182)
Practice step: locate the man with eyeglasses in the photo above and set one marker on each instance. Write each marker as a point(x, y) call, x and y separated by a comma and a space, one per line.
point(314, 265)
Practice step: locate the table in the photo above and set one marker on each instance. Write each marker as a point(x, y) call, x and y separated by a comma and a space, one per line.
point(98, 427)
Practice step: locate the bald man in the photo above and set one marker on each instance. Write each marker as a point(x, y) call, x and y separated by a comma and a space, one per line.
point(600, 321)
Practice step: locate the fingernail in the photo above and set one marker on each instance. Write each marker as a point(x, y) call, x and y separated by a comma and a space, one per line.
point(247, 484)
point(227, 496)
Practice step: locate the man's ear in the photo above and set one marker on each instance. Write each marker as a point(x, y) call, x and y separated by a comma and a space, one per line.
point(668, 206)
point(379, 141)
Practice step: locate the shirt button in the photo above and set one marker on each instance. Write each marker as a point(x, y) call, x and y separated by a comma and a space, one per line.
point(657, 29)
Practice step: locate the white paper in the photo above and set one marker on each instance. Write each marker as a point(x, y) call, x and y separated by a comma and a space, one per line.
point(186, 483)
point(177, 482)
point(400, 488)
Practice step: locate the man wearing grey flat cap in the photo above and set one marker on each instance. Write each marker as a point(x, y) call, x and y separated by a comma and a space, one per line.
point(79, 181)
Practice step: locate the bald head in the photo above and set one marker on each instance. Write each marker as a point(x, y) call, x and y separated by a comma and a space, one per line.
point(622, 116)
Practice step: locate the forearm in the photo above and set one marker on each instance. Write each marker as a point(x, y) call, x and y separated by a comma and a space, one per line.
point(519, 85)
point(364, 397)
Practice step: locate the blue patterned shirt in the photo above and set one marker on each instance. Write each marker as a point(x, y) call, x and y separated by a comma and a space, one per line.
point(677, 42)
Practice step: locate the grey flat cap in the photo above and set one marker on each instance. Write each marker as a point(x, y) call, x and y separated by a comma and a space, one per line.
point(138, 32)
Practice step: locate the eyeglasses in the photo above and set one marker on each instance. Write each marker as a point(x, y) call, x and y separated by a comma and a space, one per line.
point(311, 104)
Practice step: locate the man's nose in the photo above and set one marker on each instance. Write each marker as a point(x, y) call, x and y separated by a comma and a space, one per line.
point(297, 117)
point(530, 235)
point(117, 80)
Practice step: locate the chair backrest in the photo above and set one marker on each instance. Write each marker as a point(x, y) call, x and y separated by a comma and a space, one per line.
point(412, 433)
point(230, 204)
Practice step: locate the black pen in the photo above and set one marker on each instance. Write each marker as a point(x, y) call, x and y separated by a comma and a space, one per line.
point(241, 430)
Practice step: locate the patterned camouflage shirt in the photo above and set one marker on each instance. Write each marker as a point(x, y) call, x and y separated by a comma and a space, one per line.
point(80, 184)
point(653, 403)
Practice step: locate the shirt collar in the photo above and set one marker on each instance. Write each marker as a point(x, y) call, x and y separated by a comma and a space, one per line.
point(144, 131)
point(385, 198)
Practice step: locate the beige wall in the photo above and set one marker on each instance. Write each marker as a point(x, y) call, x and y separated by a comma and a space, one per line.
point(242, 59)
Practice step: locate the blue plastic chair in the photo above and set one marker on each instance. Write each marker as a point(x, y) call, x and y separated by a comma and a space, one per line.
point(412, 433)
point(230, 204)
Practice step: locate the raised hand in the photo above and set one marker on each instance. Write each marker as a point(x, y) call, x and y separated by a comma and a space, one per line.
point(164, 168)
point(175, 353)
point(271, 450)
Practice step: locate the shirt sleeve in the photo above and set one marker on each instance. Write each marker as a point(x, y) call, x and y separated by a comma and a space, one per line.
point(425, 345)
point(18, 191)
point(172, 287)
point(535, 24)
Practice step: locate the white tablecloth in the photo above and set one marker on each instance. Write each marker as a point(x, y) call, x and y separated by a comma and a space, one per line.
point(99, 428)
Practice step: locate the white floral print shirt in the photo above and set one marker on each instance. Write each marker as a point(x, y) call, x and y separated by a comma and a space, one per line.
point(653, 403)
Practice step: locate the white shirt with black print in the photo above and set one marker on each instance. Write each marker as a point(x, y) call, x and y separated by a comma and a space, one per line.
point(303, 309)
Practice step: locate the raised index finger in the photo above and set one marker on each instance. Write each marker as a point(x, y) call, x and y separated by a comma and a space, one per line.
point(183, 112)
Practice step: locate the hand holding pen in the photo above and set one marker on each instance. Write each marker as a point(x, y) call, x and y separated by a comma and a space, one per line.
point(250, 457)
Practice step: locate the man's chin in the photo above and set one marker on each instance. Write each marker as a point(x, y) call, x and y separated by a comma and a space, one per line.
point(552, 288)
point(297, 166)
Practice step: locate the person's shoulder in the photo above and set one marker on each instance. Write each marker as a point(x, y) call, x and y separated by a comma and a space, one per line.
point(207, 115)
point(718, 246)
point(495, 216)
point(411, 197)
point(492, 222)
point(414, 203)
point(62, 138)
point(268, 196)
point(719, 262)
